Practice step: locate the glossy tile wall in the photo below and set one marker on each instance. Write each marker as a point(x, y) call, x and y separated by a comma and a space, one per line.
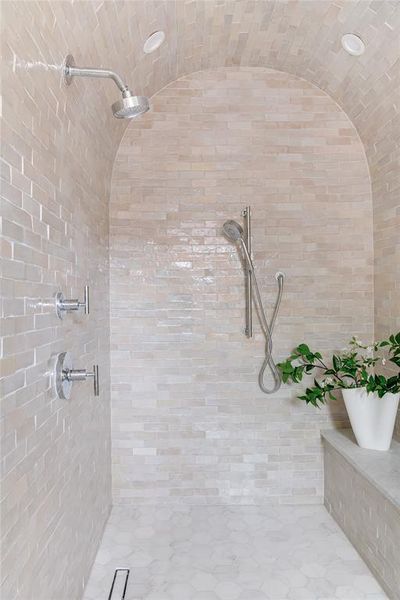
point(189, 421)
point(303, 38)
point(58, 147)
point(56, 464)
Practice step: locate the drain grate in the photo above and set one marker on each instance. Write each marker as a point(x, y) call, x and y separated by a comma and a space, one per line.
point(119, 584)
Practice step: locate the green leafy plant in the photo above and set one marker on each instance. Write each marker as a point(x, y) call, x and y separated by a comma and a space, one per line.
point(353, 367)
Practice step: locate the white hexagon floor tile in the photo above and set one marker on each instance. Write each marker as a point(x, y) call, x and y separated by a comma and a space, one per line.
point(230, 553)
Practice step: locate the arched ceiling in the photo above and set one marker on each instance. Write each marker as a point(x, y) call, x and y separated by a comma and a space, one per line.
point(301, 37)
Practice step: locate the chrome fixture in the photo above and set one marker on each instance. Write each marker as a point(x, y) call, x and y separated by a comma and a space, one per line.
point(129, 107)
point(63, 305)
point(124, 584)
point(246, 214)
point(65, 375)
point(234, 232)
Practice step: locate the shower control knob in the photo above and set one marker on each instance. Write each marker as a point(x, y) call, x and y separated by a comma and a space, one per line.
point(65, 375)
point(63, 305)
point(96, 383)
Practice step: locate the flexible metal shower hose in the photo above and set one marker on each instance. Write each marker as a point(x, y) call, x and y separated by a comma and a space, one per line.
point(267, 331)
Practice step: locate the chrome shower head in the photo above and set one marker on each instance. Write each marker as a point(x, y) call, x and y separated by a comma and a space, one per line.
point(233, 231)
point(130, 106)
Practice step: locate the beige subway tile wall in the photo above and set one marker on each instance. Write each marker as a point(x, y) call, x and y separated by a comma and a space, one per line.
point(57, 153)
point(303, 37)
point(58, 146)
point(189, 421)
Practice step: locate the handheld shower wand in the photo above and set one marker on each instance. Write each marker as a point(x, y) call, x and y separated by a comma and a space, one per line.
point(234, 232)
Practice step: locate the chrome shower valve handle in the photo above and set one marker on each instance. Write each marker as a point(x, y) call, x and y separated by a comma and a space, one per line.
point(82, 375)
point(68, 305)
point(65, 376)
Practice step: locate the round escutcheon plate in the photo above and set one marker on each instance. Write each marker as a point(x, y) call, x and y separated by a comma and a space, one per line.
point(63, 386)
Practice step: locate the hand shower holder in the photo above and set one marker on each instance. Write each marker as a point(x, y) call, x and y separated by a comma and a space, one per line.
point(246, 214)
point(65, 375)
point(69, 305)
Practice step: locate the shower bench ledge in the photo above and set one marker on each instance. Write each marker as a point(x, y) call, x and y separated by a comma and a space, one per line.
point(362, 493)
point(381, 469)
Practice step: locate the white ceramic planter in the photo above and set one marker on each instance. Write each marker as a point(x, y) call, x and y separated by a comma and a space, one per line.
point(372, 418)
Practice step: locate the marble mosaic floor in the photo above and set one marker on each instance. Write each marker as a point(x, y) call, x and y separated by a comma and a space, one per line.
point(230, 553)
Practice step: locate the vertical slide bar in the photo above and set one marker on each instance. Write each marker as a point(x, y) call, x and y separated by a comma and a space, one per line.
point(249, 292)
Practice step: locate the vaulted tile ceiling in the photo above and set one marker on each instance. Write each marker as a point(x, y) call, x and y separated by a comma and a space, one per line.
point(298, 36)
point(301, 37)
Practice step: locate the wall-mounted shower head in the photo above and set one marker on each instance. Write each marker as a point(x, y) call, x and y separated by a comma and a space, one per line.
point(128, 107)
point(233, 231)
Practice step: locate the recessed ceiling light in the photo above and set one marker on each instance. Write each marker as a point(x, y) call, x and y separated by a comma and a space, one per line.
point(153, 42)
point(353, 44)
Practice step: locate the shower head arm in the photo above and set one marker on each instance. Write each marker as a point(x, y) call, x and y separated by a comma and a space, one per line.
point(104, 73)
point(70, 70)
point(129, 107)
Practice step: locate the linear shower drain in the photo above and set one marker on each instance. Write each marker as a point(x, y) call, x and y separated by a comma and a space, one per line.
point(119, 584)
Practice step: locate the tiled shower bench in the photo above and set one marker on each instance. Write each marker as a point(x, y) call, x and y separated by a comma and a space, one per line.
point(362, 493)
